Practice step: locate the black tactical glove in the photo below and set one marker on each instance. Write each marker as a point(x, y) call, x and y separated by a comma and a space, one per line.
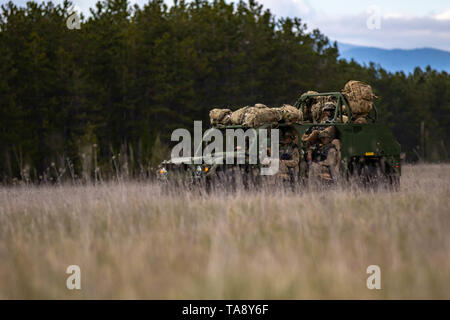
point(285, 156)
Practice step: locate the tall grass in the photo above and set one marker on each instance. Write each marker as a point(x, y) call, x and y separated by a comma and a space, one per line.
point(136, 240)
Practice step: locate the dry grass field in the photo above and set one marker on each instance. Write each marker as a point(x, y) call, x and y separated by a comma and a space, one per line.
point(133, 240)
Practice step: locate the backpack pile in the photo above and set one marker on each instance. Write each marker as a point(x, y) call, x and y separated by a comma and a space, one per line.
point(360, 99)
point(255, 116)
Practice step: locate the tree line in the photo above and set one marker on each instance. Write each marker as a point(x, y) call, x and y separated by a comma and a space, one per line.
point(102, 100)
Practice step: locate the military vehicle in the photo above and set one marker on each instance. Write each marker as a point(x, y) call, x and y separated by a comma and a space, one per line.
point(369, 152)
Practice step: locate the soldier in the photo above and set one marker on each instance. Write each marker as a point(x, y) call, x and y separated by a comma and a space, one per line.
point(328, 112)
point(289, 158)
point(324, 159)
point(312, 139)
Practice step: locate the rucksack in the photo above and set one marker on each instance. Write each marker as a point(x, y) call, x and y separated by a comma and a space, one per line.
point(359, 96)
point(220, 116)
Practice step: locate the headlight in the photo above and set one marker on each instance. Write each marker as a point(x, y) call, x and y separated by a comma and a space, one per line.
point(199, 170)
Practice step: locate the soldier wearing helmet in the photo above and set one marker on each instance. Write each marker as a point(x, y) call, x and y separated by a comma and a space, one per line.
point(289, 158)
point(328, 112)
point(324, 159)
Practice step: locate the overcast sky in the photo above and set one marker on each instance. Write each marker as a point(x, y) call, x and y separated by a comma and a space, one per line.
point(403, 24)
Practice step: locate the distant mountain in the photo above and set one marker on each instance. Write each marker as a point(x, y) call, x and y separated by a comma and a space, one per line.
point(397, 59)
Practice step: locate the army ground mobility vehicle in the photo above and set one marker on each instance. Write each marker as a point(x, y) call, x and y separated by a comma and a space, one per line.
point(368, 151)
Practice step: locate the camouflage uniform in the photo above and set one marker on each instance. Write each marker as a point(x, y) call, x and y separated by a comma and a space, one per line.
point(329, 106)
point(325, 161)
point(289, 162)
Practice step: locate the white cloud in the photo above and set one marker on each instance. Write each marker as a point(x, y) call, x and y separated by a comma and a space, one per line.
point(397, 30)
point(406, 33)
point(303, 6)
point(404, 24)
point(75, 8)
point(401, 26)
point(290, 8)
point(444, 15)
point(393, 15)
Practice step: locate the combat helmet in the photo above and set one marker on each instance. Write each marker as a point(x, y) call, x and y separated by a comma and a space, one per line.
point(325, 134)
point(329, 106)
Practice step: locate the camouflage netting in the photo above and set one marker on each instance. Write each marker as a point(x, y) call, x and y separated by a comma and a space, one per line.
point(360, 97)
